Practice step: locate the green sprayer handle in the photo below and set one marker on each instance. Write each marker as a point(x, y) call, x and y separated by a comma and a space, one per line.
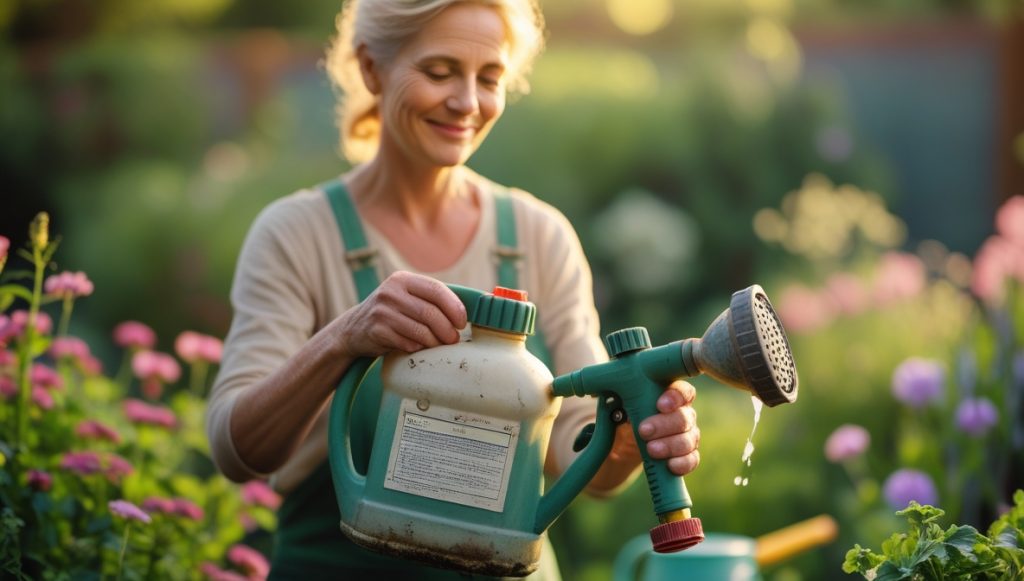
point(580, 472)
point(638, 379)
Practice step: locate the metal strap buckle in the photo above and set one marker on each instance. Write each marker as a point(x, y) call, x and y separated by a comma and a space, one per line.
point(508, 252)
point(360, 258)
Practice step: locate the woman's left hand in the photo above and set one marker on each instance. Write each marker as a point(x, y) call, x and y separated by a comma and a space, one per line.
point(672, 434)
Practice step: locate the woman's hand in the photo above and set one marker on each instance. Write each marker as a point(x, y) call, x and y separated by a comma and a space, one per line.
point(407, 312)
point(672, 434)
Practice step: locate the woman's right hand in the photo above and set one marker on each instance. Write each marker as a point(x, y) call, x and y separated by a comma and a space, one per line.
point(407, 312)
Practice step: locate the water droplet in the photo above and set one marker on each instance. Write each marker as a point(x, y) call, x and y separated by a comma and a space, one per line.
point(748, 449)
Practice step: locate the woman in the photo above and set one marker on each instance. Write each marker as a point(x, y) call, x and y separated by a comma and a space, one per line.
point(423, 83)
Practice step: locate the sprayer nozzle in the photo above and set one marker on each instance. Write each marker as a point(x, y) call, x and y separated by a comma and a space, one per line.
point(676, 536)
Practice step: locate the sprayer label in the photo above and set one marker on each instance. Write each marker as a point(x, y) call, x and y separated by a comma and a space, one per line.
point(452, 456)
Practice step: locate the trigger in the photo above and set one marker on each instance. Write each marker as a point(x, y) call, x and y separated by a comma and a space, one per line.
point(584, 437)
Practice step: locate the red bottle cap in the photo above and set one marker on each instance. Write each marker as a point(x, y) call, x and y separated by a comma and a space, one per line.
point(675, 536)
point(509, 293)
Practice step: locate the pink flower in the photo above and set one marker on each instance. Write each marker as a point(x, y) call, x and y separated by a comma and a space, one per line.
point(249, 560)
point(847, 293)
point(134, 335)
point(15, 325)
point(215, 573)
point(98, 431)
point(40, 480)
point(128, 511)
point(42, 398)
point(192, 347)
point(155, 369)
point(257, 493)
point(140, 412)
point(81, 463)
point(7, 358)
point(117, 467)
point(900, 276)
point(997, 260)
point(156, 504)
point(847, 441)
point(69, 348)
point(45, 377)
point(68, 285)
point(1010, 220)
point(188, 509)
point(90, 366)
point(804, 310)
point(7, 387)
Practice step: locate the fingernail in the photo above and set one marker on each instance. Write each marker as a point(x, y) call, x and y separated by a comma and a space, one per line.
point(656, 447)
point(646, 430)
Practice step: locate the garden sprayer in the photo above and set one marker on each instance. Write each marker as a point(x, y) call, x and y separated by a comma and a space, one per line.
point(451, 474)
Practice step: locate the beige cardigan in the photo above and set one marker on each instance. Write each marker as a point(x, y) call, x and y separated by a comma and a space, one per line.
point(291, 280)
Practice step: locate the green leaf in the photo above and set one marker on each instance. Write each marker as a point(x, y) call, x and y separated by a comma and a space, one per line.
point(17, 291)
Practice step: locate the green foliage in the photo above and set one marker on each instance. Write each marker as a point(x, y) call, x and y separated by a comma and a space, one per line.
point(927, 551)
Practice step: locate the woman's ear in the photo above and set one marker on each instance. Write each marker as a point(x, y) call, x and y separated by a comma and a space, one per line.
point(368, 69)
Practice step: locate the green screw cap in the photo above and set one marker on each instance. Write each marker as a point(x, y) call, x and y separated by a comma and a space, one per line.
point(505, 310)
point(628, 340)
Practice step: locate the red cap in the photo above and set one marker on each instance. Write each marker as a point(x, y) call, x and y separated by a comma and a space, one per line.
point(675, 536)
point(509, 293)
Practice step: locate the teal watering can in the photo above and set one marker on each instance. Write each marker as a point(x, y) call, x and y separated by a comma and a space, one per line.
point(451, 473)
point(722, 556)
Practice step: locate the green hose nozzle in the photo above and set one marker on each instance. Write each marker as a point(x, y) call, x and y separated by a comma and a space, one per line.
point(745, 347)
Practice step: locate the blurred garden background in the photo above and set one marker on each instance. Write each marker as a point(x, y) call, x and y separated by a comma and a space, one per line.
point(850, 157)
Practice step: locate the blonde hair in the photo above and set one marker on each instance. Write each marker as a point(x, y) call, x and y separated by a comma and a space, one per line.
point(384, 26)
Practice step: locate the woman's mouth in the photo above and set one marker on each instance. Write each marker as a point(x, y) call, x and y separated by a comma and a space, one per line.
point(452, 130)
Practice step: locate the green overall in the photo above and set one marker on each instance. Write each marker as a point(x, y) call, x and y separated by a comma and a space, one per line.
point(308, 544)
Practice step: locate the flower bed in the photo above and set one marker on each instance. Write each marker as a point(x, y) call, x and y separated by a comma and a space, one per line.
point(109, 475)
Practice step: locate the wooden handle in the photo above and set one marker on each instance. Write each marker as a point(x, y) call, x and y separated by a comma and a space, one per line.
point(786, 542)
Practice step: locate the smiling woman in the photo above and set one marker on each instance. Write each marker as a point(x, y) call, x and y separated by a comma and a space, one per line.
point(356, 268)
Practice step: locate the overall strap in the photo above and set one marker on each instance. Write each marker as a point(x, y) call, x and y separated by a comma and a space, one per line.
point(507, 251)
point(360, 256)
point(509, 255)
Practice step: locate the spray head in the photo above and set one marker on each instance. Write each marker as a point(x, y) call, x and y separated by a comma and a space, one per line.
point(746, 347)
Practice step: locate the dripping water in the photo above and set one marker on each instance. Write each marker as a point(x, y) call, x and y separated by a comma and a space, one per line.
point(748, 450)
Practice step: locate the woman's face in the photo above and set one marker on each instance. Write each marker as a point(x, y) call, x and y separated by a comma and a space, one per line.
point(445, 88)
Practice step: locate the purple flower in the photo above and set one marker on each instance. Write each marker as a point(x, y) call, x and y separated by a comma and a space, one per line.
point(974, 416)
point(918, 382)
point(128, 511)
point(905, 485)
point(847, 441)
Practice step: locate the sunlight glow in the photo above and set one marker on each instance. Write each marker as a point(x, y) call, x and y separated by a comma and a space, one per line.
point(640, 17)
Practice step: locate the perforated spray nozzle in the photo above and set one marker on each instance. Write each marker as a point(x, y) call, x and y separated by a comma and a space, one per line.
point(746, 347)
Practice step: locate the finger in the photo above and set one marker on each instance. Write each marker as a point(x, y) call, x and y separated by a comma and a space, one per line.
point(675, 446)
point(424, 322)
point(438, 294)
point(685, 465)
point(387, 339)
point(676, 395)
point(662, 425)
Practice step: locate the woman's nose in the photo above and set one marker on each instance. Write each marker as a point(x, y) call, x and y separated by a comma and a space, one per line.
point(464, 99)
